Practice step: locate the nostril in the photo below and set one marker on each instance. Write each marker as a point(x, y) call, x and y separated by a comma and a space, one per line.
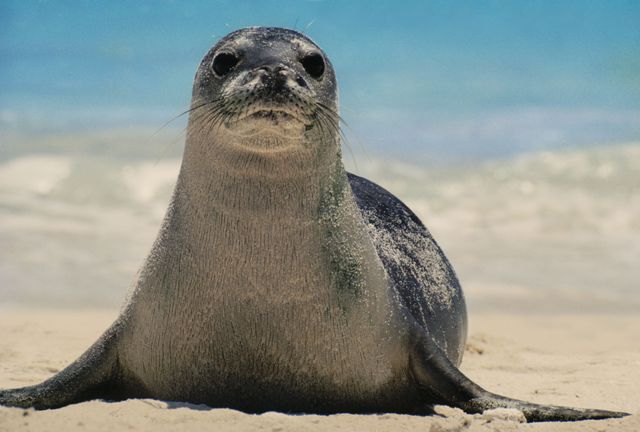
point(278, 75)
point(301, 82)
point(268, 73)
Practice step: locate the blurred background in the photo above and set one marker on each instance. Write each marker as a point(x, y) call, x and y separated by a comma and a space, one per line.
point(512, 128)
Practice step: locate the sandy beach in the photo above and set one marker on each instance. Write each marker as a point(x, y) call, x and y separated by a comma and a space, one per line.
point(589, 360)
point(510, 129)
point(545, 246)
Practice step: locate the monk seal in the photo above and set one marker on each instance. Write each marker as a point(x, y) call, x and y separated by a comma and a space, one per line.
point(278, 281)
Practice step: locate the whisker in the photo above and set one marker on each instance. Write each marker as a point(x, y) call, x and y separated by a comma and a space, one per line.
point(347, 141)
point(168, 145)
point(332, 117)
point(307, 27)
point(193, 108)
point(336, 120)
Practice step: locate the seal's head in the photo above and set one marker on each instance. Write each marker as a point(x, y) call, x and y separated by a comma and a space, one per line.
point(266, 89)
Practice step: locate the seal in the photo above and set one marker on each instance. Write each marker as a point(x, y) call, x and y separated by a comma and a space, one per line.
point(278, 281)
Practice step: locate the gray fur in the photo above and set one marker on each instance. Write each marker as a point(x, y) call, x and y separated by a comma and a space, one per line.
point(278, 281)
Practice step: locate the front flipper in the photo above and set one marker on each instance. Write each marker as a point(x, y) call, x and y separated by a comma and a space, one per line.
point(93, 375)
point(442, 383)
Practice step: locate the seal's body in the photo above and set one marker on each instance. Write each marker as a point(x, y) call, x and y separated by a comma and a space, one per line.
point(282, 317)
point(279, 281)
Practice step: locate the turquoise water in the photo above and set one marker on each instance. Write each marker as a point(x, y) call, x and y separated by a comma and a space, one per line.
point(439, 79)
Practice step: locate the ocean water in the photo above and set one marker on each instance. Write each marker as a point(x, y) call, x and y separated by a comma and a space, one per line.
point(435, 79)
point(511, 128)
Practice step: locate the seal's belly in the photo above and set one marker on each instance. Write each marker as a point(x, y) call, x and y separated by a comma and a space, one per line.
point(255, 352)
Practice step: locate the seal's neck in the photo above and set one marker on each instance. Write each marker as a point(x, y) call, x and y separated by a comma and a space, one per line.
point(287, 181)
point(257, 224)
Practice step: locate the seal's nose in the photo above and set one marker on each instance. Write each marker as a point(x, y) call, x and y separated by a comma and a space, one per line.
point(272, 74)
point(277, 75)
point(272, 68)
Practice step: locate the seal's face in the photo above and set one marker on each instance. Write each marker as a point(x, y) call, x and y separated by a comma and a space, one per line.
point(268, 83)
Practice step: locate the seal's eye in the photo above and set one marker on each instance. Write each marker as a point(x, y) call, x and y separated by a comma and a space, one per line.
point(224, 62)
point(314, 65)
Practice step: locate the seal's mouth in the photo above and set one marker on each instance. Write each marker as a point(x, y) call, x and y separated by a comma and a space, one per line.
point(269, 120)
point(274, 115)
point(270, 115)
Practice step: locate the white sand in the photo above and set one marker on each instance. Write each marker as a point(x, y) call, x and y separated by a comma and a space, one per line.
point(579, 360)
